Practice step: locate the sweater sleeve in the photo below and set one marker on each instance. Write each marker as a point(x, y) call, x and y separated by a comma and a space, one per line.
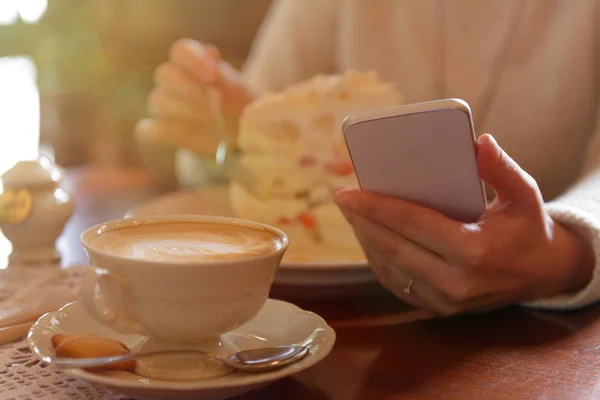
point(578, 209)
point(295, 41)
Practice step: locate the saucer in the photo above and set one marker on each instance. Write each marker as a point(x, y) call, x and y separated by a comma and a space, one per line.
point(278, 323)
point(312, 272)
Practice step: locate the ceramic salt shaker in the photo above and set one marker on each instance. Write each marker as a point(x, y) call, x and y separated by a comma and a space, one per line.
point(33, 210)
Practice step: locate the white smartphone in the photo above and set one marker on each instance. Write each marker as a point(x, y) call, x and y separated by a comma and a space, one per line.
point(424, 153)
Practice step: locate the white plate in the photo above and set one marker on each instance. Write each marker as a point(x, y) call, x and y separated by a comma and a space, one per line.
point(214, 201)
point(278, 323)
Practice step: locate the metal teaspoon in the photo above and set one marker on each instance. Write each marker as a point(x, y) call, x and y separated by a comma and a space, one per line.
point(256, 360)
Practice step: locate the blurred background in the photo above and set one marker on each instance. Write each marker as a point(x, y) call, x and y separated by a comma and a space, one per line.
point(74, 74)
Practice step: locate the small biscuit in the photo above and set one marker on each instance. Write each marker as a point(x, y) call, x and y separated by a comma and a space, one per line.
point(61, 337)
point(91, 346)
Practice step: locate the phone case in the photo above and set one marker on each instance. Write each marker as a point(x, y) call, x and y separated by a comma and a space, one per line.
point(424, 153)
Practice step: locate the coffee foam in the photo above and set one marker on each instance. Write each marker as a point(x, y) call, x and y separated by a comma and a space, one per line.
point(187, 242)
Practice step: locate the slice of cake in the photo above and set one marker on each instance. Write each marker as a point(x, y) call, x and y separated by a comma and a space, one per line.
point(292, 147)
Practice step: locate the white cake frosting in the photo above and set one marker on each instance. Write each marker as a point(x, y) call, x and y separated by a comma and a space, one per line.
point(292, 146)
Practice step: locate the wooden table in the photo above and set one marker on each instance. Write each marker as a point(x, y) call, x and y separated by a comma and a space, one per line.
point(383, 349)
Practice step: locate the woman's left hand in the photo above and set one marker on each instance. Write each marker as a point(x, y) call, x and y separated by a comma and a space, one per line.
point(514, 253)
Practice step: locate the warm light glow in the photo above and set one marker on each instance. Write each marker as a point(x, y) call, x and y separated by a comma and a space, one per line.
point(19, 120)
point(19, 111)
point(31, 11)
point(5, 250)
point(9, 12)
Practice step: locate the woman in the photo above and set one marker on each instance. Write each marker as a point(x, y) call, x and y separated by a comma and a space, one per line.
point(528, 69)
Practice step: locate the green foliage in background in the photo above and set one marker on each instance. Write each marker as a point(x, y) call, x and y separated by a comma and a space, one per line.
point(69, 57)
point(64, 46)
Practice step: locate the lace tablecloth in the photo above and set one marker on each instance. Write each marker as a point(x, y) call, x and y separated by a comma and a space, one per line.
point(22, 376)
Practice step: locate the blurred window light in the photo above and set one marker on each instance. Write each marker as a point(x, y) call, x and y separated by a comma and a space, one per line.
point(19, 111)
point(31, 11)
point(9, 12)
point(5, 250)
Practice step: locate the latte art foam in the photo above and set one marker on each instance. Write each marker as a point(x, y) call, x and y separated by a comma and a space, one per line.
point(187, 242)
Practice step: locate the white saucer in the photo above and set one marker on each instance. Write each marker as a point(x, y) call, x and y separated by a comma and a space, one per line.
point(215, 201)
point(278, 323)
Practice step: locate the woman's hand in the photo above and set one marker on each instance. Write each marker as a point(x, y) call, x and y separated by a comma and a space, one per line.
point(191, 69)
point(514, 253)
point(180, 102)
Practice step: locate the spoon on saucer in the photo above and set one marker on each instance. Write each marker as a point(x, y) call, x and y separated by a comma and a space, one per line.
point(257, 360)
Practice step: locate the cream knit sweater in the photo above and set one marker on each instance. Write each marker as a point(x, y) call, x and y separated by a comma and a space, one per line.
point(544, 112)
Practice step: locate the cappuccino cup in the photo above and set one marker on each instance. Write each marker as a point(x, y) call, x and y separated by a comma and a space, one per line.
point(179, 279)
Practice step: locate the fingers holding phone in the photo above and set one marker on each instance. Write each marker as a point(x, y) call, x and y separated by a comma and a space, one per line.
point(423, 221)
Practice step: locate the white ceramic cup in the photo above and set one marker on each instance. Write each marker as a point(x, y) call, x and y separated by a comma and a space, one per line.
point(176, 302)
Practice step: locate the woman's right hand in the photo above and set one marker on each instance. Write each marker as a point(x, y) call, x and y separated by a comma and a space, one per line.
point(179, 104)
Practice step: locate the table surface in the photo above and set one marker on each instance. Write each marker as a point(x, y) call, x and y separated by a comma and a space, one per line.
point(384, 349)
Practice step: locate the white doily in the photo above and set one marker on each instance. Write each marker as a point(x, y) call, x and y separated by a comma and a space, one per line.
point(22, 376)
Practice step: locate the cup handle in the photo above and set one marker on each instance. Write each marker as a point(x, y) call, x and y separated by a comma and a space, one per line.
point(103, 314)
